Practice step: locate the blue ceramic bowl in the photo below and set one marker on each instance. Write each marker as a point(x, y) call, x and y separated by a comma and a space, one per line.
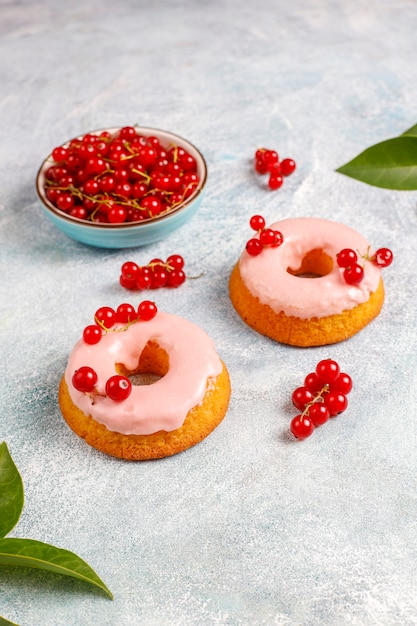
point(128, 234)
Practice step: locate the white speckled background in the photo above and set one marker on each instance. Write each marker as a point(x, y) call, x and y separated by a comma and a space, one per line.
point(250, 527)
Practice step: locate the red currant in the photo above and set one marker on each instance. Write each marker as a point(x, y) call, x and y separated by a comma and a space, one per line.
point(254, 247)
point(130, 270)
point(118, 388)
point(147, 310)
point(105, 316)
point(92, 334)
point(84, 379)
point(175, 261)
point(383, 257)
point(318, 413)
point(336, 402)
point(275, 181)
point(125, 313)
point(301, 397)
point(257, 222)
point(342, 384)
point(327, 370)
point(353, 274)
point(346, 257)
point(175, 278)
point(287, 167)
point(302, 427)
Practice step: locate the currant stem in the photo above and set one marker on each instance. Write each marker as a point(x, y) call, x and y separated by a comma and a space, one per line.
point(317, 398)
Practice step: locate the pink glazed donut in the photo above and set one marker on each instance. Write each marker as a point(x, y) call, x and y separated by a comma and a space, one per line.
point(183, 406)
point(296, 293)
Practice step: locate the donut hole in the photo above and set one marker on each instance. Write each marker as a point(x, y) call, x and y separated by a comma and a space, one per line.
point(315, 264)
point(153, 365)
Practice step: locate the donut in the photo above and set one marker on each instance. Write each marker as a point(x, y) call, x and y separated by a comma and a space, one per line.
point(187, 399)
point(296, 294)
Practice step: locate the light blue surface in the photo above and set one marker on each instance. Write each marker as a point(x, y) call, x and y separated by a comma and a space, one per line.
point(250, 527)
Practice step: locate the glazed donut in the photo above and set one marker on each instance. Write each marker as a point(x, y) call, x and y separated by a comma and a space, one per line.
point(296, 294)
point(182, 407)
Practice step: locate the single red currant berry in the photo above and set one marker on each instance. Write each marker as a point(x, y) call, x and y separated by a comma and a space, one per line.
point(257, 222)
point(260, 166)
point(125, 313)
point(353, 274)
point(65, 202)
point(287, 166)
point(270, 158)
point(159, 278)
point(300, 397)
point(84, 379)
point(267, 237)
point(336, 402)
point(105, 316)
point(92, 334)
point(118, 388)
point(275, 181)
point(343, 383)
point(147, 310)
point(327, 370)
point(278, 239)
point(301, 427)
point(130, 269)
point(383, 257)
point(318, 413)
point(60, 153)
point(143, 280)
point(175, 261)
point(254, 247)
point(313, 382)
point(175, 278)
point(346, 257)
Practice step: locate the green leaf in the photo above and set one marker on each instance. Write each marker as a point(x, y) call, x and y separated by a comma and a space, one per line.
point(411, 131)
point(391, 164)
point(31, 553)
point(11, 492)
point(5, 622)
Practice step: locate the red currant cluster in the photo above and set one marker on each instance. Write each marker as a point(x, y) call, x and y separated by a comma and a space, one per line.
point(124, 177)
point(353, 273)
point(322, 396)
point(105, 318)
point(267, 162)
point(267, 236)
point(118, 387)
point(154, 275)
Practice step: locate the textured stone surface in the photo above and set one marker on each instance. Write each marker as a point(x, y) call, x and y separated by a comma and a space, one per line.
point(250, 527)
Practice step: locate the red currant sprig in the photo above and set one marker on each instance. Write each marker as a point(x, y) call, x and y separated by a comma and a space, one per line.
point(105, 319)
point(118, 387)
point(353, 272)
point(155, 274)
point(120, 177)
point(267, 162)
point(267, 236)
point(322, 396)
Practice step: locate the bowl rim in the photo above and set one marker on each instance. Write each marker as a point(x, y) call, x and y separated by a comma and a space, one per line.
point(148, 131)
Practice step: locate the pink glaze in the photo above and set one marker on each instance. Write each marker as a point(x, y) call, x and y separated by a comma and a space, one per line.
point(162, 405)
point(267, 278)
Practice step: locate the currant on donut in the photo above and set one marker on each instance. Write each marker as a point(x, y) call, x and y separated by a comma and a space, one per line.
point(322, 396)
point(154, 275)
point(267, 237)
point(120, 177)
point(353, 272)
point(106, 318)
point(267, 162)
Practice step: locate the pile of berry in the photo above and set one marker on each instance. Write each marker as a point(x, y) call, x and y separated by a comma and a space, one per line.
point(353, 273)
point(106, 318)
point(322, 396)
point(267, 236)
point(267, 162)
point(120, 177)
point(155, 274)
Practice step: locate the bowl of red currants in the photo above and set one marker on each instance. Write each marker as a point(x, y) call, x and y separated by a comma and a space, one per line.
point(122, 187)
